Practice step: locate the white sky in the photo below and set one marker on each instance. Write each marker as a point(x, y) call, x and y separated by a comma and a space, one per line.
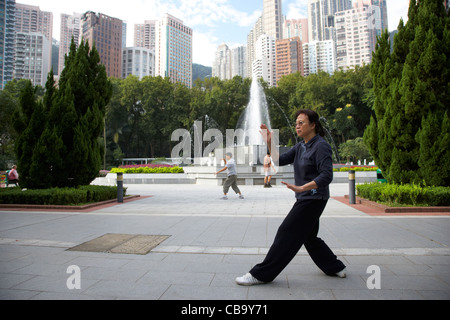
point(213, 21)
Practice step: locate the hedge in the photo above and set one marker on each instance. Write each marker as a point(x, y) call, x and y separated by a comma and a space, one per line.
point(407, 194)
point(346, 169)
point(58, 196)
point(148, 170)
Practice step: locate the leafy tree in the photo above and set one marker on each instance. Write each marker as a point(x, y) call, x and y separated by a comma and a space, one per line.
point(344, 124)
point(411, 88)
point(9, 104)
point(279, 100)
point(317, 92)
point(116, 123)
point(354, 150)
point(352, 86)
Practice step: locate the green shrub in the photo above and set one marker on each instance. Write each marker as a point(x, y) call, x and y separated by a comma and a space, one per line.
point(406, 194)
point(58, 196)
point(148, 170)
point(364, 168)
point(100, 193)
point(439, 196)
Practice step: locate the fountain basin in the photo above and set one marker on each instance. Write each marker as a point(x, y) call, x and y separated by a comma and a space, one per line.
point(247, 175)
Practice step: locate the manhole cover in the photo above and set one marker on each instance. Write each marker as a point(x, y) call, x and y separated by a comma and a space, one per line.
point(121, 243)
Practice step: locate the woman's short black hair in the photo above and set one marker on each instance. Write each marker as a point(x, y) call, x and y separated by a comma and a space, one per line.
point(313, 117)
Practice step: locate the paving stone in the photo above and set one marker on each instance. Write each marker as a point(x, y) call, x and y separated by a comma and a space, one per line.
point(211, 243)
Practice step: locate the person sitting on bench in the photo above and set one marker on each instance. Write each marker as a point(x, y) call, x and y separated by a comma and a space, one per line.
point(13, 176)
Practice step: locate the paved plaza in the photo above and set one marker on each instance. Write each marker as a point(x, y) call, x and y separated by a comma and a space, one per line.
point(210, 242)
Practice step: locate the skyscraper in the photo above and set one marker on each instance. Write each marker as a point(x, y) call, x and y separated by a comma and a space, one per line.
point(229, 63)
point(384, 16)
point(7, 40)
point(356, 35)
point(30, 19)
point(173, 50)
point(252, 37)
point(138, 61)
point(238, 61)
point(70, 28)
point(222, 63)
point(271, 24)
point(321, 17)
point(106, 33)
point(272, 18)
point(296, 28)
point(289, 57)
point(264, 65)
point(319, 56)
point(145, 34)
point(31, 58)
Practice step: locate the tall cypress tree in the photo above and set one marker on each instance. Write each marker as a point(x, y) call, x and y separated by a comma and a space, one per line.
point(78, 112)
point(29, 122)
point(411, 87)
point(58, 143)
point(46, 154)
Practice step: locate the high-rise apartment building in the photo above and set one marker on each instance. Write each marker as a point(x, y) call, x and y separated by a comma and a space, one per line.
point(106, 33)
point(321, 17)
point(124, 34)
point(138, 61)
point(252, 37)
point(222, 63)
point(289, 57)
point(383, 13)
point(271, 24)
point(315, 27)
point(70, 28)
point(238, 62)
point(145, 34)
point(319, 56)
point(31, 58)
point(30, 19)
point(356, 34)
point(7, 40)
point(229, 63)
point(296, 28)
point(264, 64)
point(173, 50)
point(272, 18)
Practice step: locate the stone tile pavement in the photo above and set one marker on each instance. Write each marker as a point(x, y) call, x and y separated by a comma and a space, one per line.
point(211, 242)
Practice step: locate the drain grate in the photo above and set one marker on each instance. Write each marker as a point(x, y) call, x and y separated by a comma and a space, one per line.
point(121, 243)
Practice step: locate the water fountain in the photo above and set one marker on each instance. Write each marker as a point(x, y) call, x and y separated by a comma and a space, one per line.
point(246, 144)
point(329, 138)
point(256, 113)
point(251, 146)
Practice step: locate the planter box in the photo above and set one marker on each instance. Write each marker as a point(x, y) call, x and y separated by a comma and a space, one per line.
point(142, 178)
point(247, 175)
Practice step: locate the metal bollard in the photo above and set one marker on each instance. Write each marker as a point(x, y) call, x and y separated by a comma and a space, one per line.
point(351, 184)
point(120, 187)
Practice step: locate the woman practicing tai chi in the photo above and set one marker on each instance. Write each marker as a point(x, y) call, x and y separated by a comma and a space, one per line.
point(313, 172)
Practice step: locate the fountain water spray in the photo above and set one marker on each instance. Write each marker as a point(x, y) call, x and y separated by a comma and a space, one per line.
point(256, 113)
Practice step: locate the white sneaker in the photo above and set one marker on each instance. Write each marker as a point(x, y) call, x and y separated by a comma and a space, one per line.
point(247, 280)
point(342, 273)
point(224, 198)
